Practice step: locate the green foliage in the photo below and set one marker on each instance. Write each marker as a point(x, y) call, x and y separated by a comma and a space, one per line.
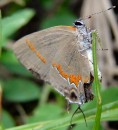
point(7, 120)
point(14, 22)
point(63, 19)
point(20, 90)
point(46, 112)
point(10, 62)
point(109, 113)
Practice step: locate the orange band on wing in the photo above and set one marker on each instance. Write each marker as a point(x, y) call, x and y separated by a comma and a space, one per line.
point(59, 68)
point(72, 28)
point(72, 78)
point(75, 79)
point(31, 46)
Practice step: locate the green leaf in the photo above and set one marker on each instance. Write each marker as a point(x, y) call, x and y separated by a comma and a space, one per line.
point(63, 19)
point(10, 62)
point(17, 69)
point(14, 22)
point(7, 120)
point(110, 95)
point(109, 112)
point(8, 57)
point(46, 112)
point(20, 90)
point(84, 127)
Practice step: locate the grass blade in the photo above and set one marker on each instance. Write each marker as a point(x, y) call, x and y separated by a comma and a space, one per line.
point(97, 85)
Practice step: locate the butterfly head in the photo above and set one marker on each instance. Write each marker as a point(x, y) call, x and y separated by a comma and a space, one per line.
point(79, 23)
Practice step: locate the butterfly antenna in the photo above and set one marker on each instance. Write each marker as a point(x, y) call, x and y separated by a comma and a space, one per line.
point(83, 115)
point(73, 115)
point(78, 108)
point(90, 16)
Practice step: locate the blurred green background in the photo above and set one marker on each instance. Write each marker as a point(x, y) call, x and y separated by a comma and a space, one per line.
point(24, 99)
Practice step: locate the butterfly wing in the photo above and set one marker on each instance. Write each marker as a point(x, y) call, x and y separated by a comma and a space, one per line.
point(52, 54)
point(70, 67)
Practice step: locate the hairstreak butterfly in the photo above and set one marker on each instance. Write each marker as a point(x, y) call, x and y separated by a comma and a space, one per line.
point(61, 56)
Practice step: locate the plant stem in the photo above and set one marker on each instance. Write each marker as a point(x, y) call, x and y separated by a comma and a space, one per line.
point(97, 85)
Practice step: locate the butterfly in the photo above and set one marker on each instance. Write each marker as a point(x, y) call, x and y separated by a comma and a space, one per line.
point(61, 56)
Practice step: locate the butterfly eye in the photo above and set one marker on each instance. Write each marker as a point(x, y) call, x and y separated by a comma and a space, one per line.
point(78, 23)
